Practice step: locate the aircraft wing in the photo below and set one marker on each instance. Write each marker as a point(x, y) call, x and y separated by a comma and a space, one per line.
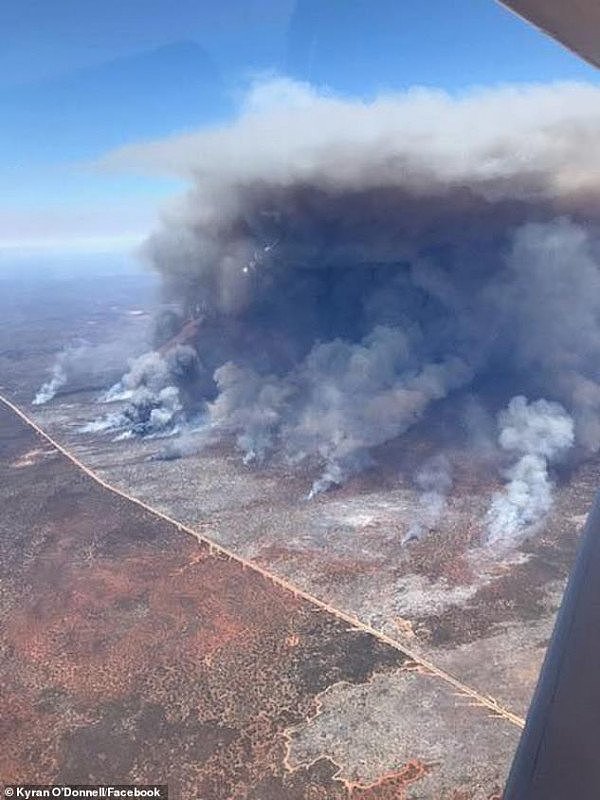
point(557, 758)
point(574, 23)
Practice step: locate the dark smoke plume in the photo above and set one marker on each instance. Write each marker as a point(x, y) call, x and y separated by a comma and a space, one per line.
point(351, 265)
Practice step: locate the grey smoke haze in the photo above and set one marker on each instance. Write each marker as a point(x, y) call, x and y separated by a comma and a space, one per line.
point(353, 264)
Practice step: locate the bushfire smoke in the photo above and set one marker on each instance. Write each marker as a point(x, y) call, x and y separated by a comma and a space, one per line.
point(539, 434)
point(434, 481)
point(353, 265)
point(152, 388)
point(87, 365)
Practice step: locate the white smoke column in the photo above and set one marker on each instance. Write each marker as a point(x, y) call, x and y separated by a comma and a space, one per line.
point(552, 306)
point(248, 406)
point(49, 389)
point(150, 370)
point(153, 400)
point(541, 432)
point(434, 481)
point(72, 361)
point(357, 396)
point(339, 402)
point(84, 365)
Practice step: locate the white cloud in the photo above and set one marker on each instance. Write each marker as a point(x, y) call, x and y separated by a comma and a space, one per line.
point(291, 131)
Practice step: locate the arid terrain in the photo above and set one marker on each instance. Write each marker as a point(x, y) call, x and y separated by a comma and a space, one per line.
point(216, 677)
point(132, 653)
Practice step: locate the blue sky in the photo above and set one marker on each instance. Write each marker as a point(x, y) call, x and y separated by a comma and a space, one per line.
point(79, 78)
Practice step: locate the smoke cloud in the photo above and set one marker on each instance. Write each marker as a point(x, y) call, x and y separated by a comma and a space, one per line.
point(152, 389)
point(540, 433)
point(58, 379)
point(84, 365)
point(434, 481)
point(351, 266)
